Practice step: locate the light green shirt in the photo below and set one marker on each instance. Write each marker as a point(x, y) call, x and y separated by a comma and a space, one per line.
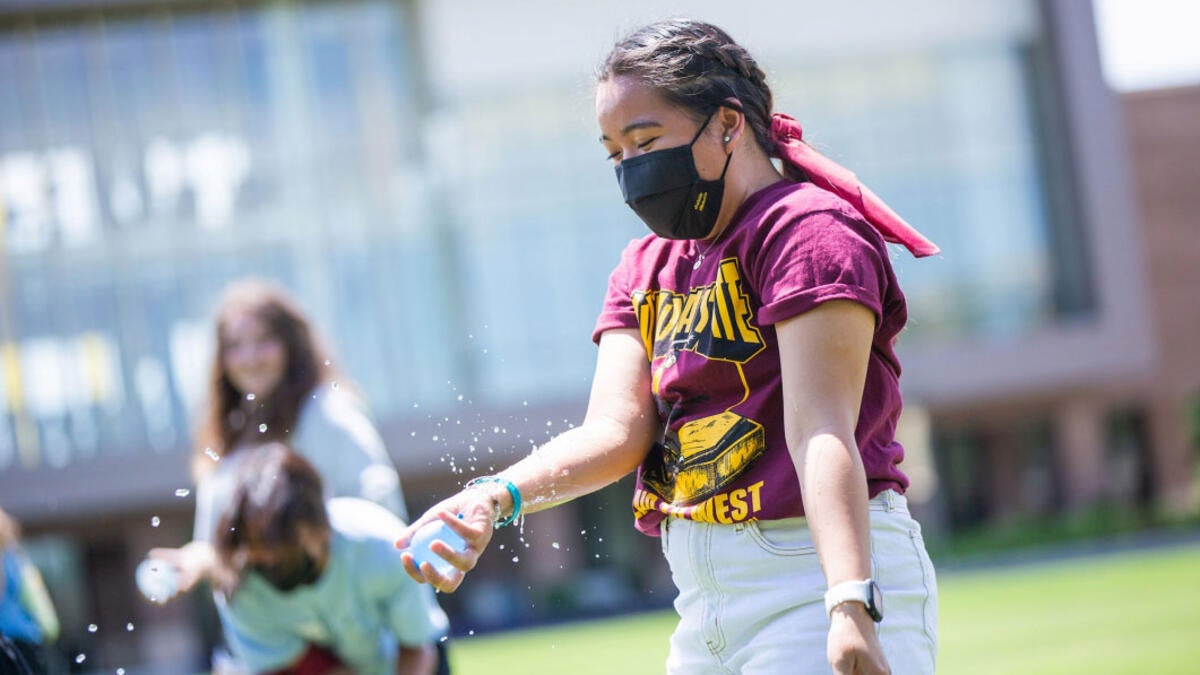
point(363, 607)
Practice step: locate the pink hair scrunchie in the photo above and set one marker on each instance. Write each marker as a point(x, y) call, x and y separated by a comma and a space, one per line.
point(787, 139)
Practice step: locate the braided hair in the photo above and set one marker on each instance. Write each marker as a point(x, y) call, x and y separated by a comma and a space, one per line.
point(697, 67)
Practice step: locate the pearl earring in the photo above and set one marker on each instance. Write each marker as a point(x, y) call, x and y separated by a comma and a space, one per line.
point(727, 139)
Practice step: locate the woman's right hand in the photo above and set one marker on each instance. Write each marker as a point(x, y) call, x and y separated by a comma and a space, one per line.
point(196, 561)
point(475, 527)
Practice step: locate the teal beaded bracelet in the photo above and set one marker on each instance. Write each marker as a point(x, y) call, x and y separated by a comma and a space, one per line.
point(512, 491)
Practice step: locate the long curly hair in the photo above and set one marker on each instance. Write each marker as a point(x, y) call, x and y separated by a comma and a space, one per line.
point(228, 417)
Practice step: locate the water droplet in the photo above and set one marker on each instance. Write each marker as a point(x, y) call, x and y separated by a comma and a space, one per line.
point(554, 545)
point(212, 454)
point(334, 385)
point(435, 437)
point(129, 627)
point(460, 397)
point(250, 397)
point(549, 423)
point(120, 671)
point(471, 632)
point(262, 428)
point(516, 559)
point(182, 492)
point(155, 522)
point(444, 638)
point(81, 658)
point(326, 361)
point(92, 628)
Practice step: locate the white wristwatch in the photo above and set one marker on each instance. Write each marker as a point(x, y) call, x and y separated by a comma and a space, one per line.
point(867, 592)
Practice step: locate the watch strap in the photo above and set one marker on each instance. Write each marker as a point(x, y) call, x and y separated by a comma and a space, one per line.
point(851, 591)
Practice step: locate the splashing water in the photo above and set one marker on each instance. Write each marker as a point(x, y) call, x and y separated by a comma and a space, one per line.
point(182, 492)
point(92, 628)
point(129, 627)
point(81, 658)
point(554, 545)
point(250, 397)
point(120, 671)
point(262, 428)
point(326, 361)
point(155, 521)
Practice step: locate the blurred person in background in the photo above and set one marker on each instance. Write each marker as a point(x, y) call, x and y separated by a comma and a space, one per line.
point(272, 380)
point(746, 370)
point(28, 620)
point(309, 586)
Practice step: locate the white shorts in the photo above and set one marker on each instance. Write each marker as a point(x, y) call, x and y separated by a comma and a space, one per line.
point(751, 595)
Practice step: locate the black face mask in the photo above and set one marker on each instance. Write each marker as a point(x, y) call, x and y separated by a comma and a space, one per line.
point(290, 573)
point(665, 190)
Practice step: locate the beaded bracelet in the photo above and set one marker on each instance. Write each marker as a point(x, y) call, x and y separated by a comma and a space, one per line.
point(512, 491)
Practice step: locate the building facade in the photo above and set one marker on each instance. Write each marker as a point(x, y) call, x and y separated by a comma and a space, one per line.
point(424, 177)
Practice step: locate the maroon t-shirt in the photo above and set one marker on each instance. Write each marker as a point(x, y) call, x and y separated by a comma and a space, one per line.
point(709, 334)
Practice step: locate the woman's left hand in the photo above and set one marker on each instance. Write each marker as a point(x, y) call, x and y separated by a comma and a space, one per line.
point(853, 647)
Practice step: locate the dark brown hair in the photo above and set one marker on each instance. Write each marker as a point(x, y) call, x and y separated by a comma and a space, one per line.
point(278, 492)
point(697, 67)
point(229, 417)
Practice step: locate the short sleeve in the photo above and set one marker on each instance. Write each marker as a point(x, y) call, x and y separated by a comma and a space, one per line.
point(348, 452)
point(408, 609)
point(254, 637)
point(817, 257)
point(618, 311)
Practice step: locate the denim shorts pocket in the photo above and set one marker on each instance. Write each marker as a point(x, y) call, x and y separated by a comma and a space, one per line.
point(789, 537)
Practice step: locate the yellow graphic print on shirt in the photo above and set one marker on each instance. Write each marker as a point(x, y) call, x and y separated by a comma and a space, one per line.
point(705, 455)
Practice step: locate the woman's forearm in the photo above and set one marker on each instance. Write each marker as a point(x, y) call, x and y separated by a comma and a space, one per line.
point(576, 462)
point(834, 489)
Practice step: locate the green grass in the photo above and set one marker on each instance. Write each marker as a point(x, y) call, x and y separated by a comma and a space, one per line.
point(1122, 613)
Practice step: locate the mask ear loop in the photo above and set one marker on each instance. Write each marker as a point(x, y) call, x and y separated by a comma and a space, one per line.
point(703, 127)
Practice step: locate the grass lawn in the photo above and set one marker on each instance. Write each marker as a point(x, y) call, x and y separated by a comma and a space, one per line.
point(1121, 613)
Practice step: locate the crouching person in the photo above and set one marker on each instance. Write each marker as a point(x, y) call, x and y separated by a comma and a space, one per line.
point(312, 587)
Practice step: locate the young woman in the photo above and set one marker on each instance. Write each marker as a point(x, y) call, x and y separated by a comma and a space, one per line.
point(272, 380)
point(746, 369)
